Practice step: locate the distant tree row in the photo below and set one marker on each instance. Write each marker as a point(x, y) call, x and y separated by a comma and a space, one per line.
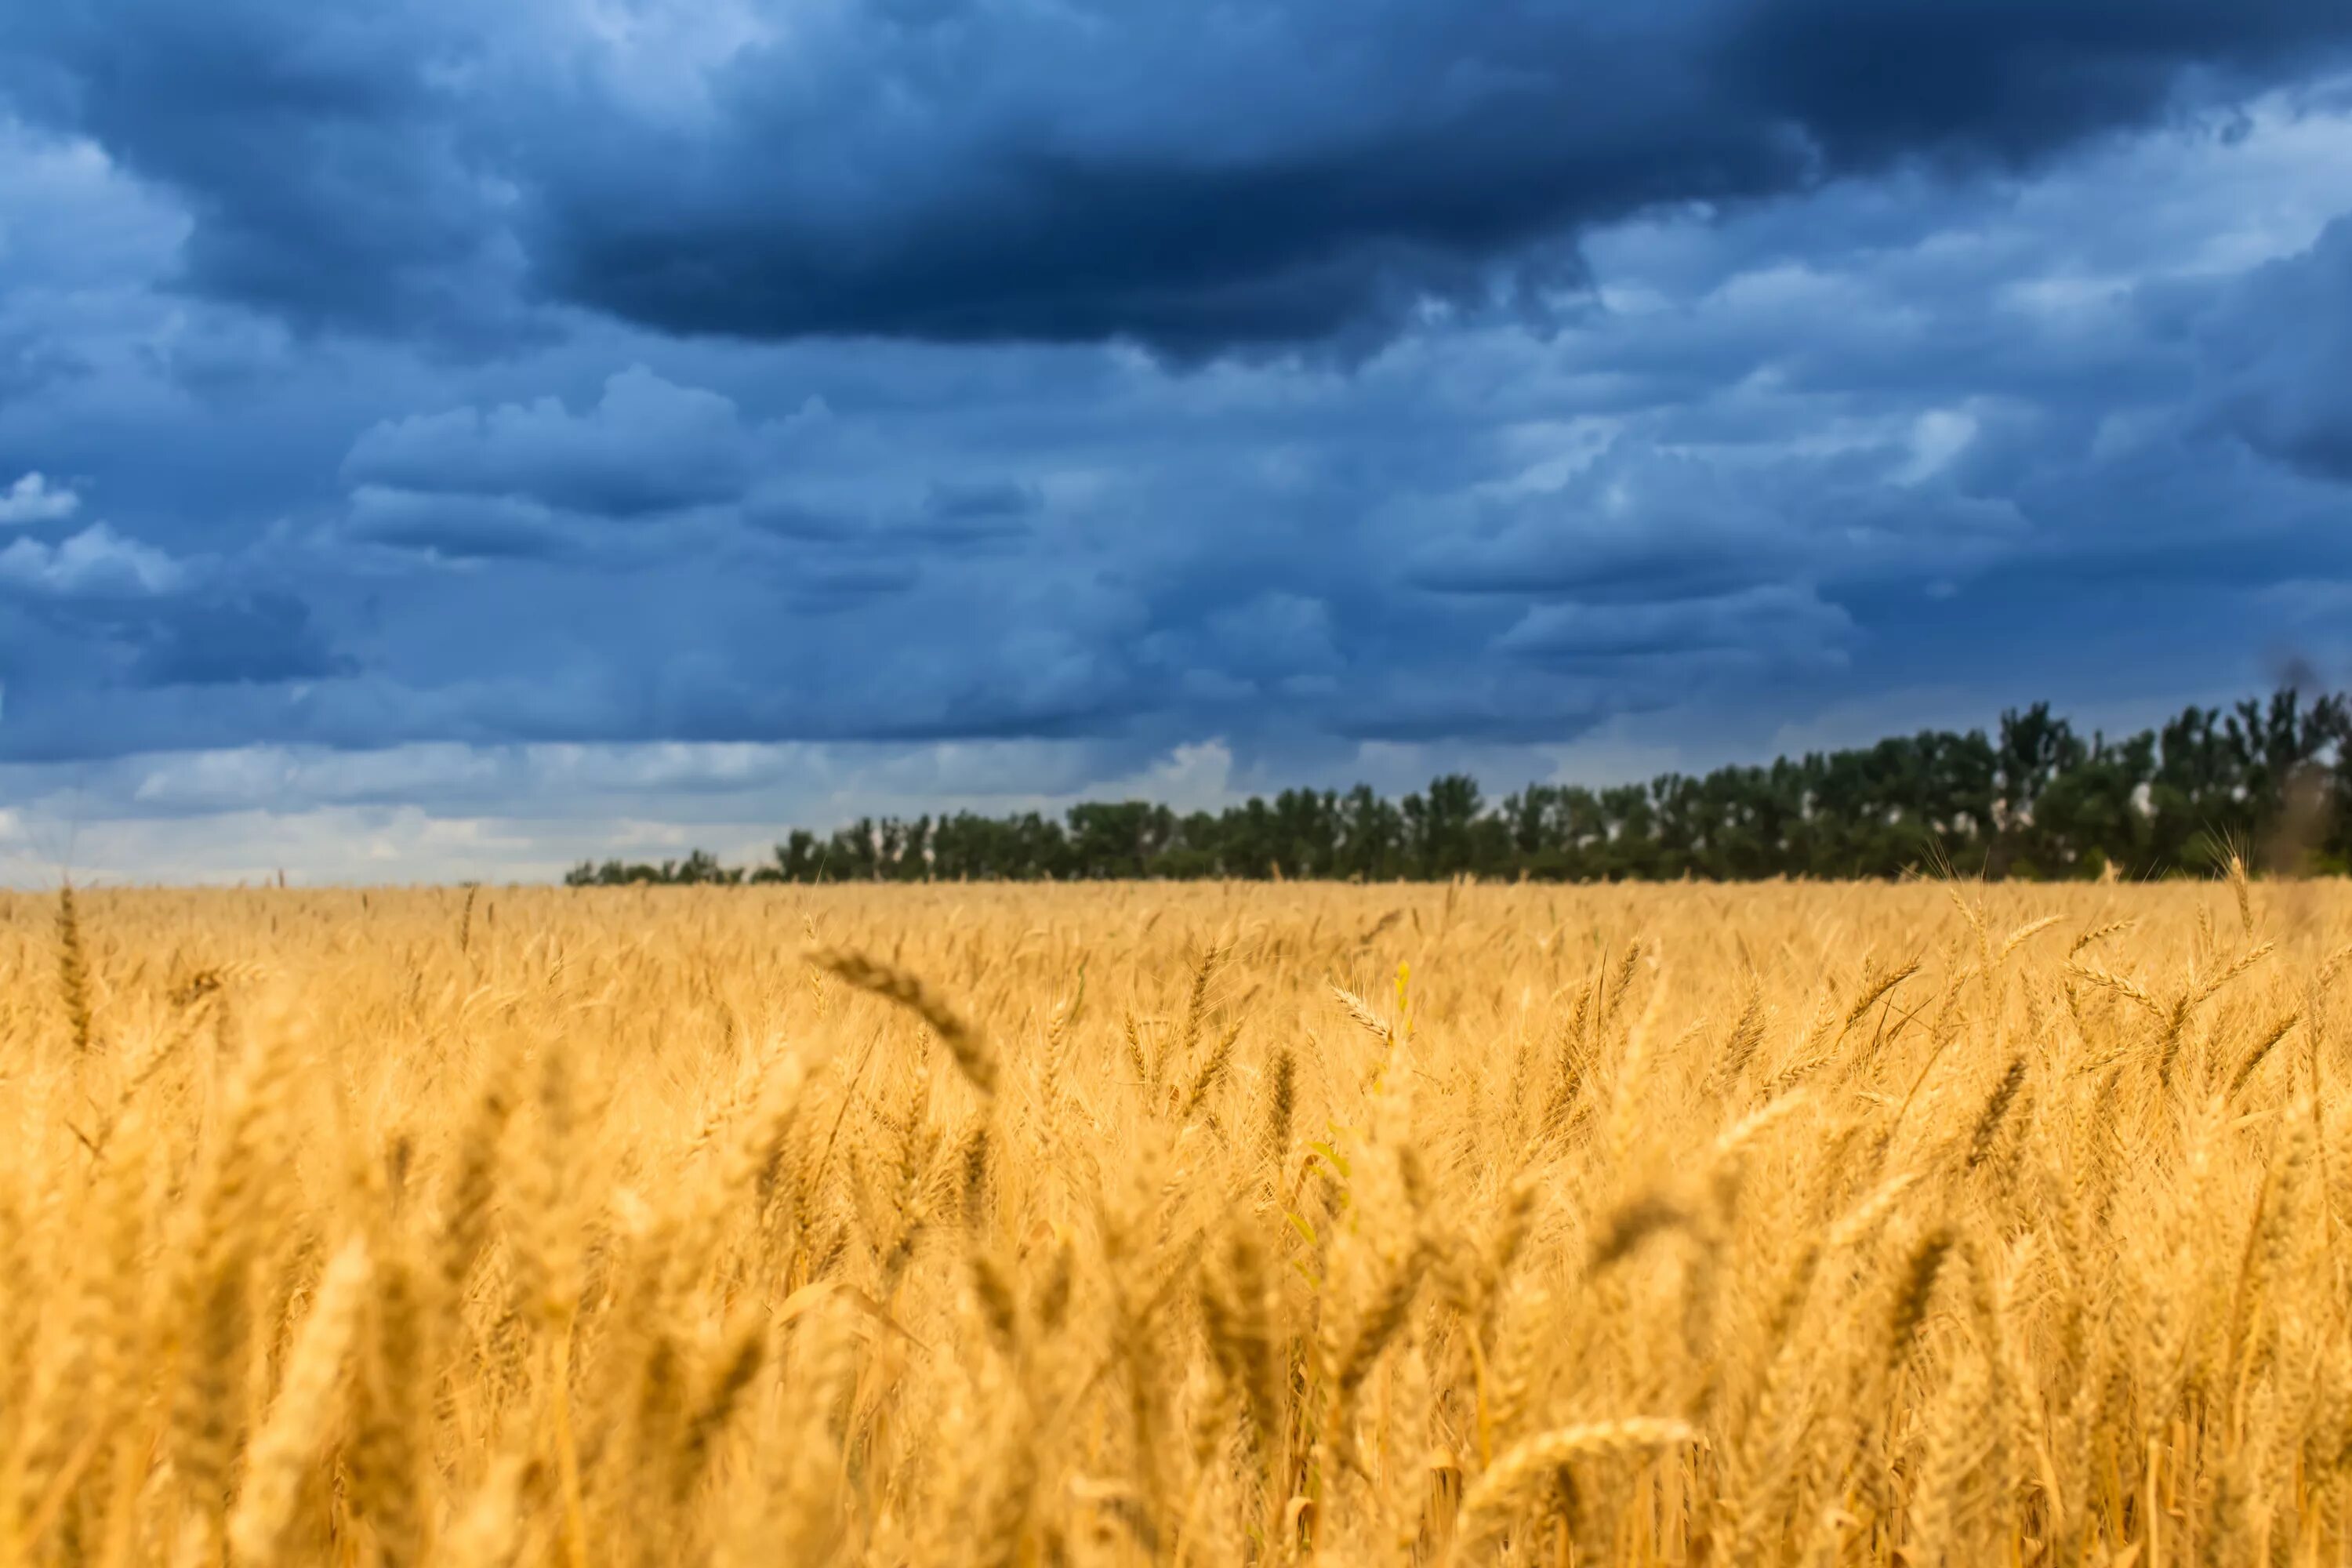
point(2037, 799)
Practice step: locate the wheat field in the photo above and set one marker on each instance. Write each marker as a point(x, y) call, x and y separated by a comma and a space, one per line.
point(1176, 1224)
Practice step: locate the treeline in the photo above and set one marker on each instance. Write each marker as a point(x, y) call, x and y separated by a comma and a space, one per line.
point(2036, 799)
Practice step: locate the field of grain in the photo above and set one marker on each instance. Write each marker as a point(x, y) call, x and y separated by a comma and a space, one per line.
point(1176, 1224)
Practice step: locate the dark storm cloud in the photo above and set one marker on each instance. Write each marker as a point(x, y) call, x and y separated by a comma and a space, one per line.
point(1999, 81)
point(1200, 187)
point(259, 638)
point(429, 375)
point(2285, 337)
point(985, 170)
point(317, 148)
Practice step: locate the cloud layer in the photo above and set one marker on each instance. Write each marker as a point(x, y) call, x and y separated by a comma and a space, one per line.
point(946, 377)
point(961, 169)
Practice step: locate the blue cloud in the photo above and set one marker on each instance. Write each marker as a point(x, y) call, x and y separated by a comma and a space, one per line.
point(96, 563)
point(647, 445)
point(2283, 340)
point(1766, 625)
point(1648, 524)
point(788, 518)
point(263, 638)
point(456, 528)
point(1446, 391)
point(980, 502)
point(321, 155)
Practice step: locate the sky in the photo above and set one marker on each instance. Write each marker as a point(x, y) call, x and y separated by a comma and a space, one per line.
point(446, 440)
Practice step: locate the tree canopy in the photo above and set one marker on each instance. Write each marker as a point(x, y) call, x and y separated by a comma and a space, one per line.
point(2035, 799)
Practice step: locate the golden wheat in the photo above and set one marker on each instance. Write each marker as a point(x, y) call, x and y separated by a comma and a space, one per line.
point(1257, 1225)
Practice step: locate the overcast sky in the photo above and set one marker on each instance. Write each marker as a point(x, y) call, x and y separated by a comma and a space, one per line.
point(440, 438)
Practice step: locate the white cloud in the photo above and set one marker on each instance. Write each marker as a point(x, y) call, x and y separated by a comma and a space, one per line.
point(1937, 437)
point(442, 811)
point(32, 498)
point(96, 561)
point(1196, 776)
